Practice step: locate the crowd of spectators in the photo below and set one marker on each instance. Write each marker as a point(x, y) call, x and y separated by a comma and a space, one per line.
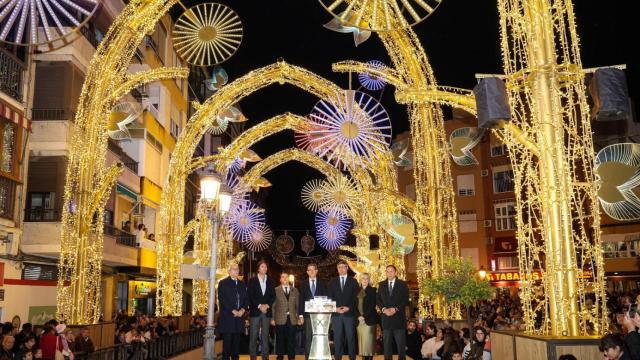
point(53, 341)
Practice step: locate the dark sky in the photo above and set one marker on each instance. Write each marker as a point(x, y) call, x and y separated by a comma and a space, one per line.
point(460, 38)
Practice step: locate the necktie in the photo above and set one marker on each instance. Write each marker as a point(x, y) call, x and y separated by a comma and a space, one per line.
point(237, 295)
point(313, 287)
point(342, 283)
point(390, 287)
point(286, 291)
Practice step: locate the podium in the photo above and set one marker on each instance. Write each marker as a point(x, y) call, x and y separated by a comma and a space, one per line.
point(320, 309)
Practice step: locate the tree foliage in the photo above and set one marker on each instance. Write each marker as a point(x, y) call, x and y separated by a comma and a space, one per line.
point(460, 283)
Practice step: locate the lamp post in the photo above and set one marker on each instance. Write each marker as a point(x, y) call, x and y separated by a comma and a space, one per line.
point(217, 198)
point(482, 273)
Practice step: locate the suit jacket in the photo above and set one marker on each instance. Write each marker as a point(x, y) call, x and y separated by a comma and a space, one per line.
point(632, 340)
point(345, 297)
point(369, 312)
point(229, 295)
point(305, 294)
point(398, 299)
point(256, 297)
point(284, 304)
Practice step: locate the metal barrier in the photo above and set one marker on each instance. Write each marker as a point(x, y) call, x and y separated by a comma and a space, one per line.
point(11, 73)
point(122, 237)
point(156, 349)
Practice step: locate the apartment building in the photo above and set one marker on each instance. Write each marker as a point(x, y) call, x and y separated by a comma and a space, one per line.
point(129, 260)
point(15, 126)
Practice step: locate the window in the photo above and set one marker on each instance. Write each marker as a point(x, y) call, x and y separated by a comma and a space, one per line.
point(468, 222)
point(502, 179)
point(507, 262)
point(629, 247)
point(505, 216)
point(40, 207)
point(466, 185)
point(154, 142)
point(498, 150)
point(39, 272)
point(175, 128)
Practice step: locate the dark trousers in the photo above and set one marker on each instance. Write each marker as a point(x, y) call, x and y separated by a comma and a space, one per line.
point(308, 336)
point(259, 324)
point(286, 340)
point(344, 326)
point(400, 337)
point(230, 346)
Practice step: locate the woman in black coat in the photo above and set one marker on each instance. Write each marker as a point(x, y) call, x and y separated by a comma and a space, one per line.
point(367, 318)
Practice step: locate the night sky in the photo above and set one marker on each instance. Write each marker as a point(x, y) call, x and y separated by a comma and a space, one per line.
point(460, 38)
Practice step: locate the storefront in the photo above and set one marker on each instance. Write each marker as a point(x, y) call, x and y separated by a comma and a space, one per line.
point(141, 296)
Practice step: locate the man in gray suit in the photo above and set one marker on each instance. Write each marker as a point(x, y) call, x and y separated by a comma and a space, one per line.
point(285, 317)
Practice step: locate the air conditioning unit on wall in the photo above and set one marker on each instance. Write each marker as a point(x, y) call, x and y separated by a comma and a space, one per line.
point(487, 223)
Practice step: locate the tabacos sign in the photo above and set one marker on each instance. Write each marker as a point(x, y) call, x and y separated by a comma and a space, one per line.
point(512, 276)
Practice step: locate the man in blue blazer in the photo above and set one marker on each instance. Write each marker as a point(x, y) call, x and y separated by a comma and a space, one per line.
point(233, 300)
point(309, 289)
point(343, 289)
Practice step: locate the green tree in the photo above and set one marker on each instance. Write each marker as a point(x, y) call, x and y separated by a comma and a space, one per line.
point(459, 283)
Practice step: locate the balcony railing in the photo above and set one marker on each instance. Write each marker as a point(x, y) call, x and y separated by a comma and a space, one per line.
point(7, 197)
point(161, 348)
point(90, 36)
point(122, 237)
point(124, 158)
point(52, 114)
point(42, 215)
point(11, 74)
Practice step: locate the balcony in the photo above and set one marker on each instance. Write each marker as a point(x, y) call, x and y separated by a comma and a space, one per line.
point(52, 132)
point(126, 160)
point(42, 215)
point(11, 75)
point(121, 237)
point(7, 196)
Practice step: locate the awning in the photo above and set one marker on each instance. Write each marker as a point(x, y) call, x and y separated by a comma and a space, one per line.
point(6, 111)
point(121, 189)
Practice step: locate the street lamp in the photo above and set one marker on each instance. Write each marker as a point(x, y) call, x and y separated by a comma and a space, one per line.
point(482, 273)
point(217, 199)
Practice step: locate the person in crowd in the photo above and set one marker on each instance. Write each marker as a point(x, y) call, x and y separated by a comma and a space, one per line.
point(465, 342)
point(233, 301)
point(37, 353)
point(343, 289)
point(392, 299)
point(309, 289)
point(478, 351)
point(261, 297)
point(449, 344)
point(7, 329)
point(141, 233)
point(27, 346)
point(430, 329)
point(567, 357)
point(432, 345)
point(613, 347)
point(285, 317)
point(49, 341)
point(27, 329)
point(83, 343)
point(631, 323)
point(62, 339)
point(413, 340)
point(456, 354)
point(127, 226)
point(27, 355)
point(7, 346)
point(367, 318)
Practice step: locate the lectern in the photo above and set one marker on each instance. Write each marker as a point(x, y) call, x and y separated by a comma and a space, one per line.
point(320, 309)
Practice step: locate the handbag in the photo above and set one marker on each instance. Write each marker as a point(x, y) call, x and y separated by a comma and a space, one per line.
point(59, 355)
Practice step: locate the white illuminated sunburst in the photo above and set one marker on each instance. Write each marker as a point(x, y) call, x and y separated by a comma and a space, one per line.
point(20, 20)
point(244, 218)
point(340, 194)
point(259, 239)
point(331, 228)
point(312, 194)
point(353, 129)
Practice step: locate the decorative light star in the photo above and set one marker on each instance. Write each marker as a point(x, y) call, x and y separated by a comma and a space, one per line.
point(331, 229)
point(339, 193)
point(370, 82)
point(243, 219)
point(360, 35)
point(313, 194)
point(120, 119)
point(259, 239)
point(218, 79)
point(20, 20)
point(352, 129)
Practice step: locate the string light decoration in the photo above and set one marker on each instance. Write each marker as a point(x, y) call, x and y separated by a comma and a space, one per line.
point(331, 228)
point(462, 141)
point(207, 34)
point(312, 194)
point(21, 19)
point(353, 128)
point(88, 182)
point(617, 168)
point(372, 83)
point(380, 15)
point(259, 239)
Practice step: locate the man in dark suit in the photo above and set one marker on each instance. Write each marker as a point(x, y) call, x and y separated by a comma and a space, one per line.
point(308, 290)
point(285, 317)
point(233, 300)
point(261, 296)
point(343, 289)
point(393, 296)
